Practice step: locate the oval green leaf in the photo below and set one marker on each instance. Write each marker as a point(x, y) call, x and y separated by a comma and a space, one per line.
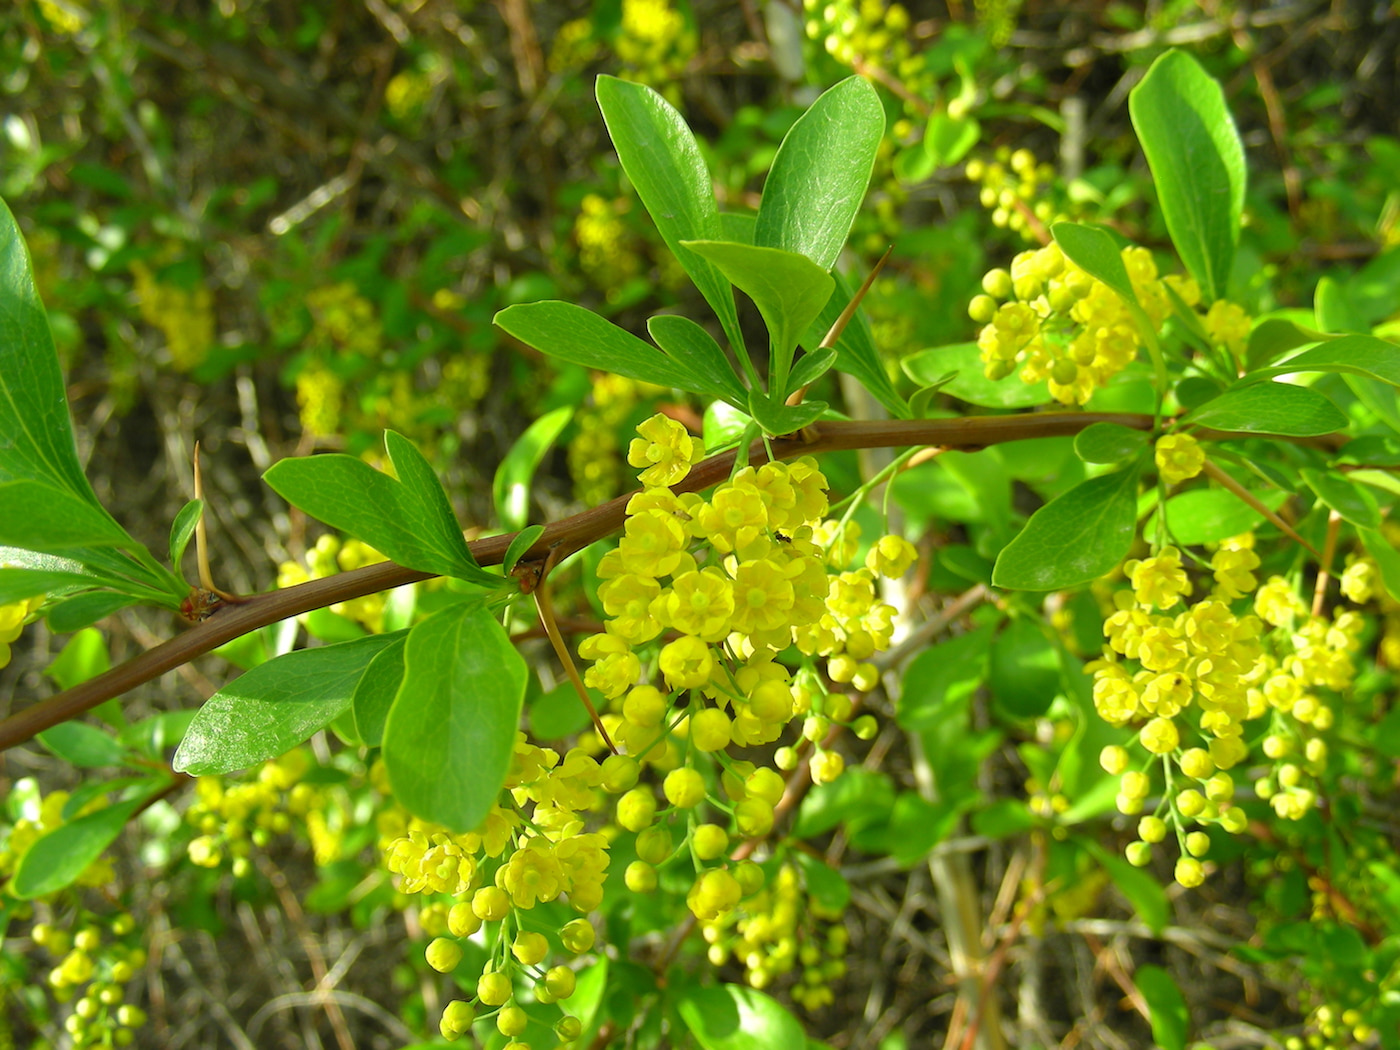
point(269, 710)
point(511, 487)
point(970, 384)
point(1075, 538)
point(1197, 163)
point(1270, 408)
point(1109, 443)
point(450, 735)
point(57, 858)
point(732, 1017)
point(1166, 1007)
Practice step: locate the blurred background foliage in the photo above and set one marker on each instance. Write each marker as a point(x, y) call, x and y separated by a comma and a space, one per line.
point(279, 228)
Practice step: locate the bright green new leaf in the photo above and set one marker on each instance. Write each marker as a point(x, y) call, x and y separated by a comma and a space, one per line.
point(1353, 502)
point(857, 798)
point(1095, 252)
point(182, 530)
point(970, 384)
point(777, 418)
point(734, 1017)
point(1270, 408)
point(788, 289)
point(661, 158)
point(947, 139)
point(82, 745)
point(1333, 310)
point(820, 174)
point(524, 540)
point(511, 487)
point(1109, 443)
point(811, 367)
point(688, 343)
point(577, 335)
point(84, 657)
point(375, 691)
point(1276, 335)
point(1075, 538)
point(408, 518)
point(451, 732)
point(1166, 1007)
point(57, 858)
point(1197, 163)
point(18, 584)
point(269, 710)
point(36, 434)
point(40, 517)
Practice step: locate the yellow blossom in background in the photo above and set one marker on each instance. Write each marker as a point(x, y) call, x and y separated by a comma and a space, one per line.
point(1228, 326)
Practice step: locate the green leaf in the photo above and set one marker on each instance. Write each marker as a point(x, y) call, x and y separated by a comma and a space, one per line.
point(451, 732)
point(1209, 515)
point(694, 348)
point(788, 289)
point(826, 886)
point(84, 657)
point(83, 610)
point(858, 797)
point(1354, 503)
point(733, 1017)
point(511, 487)
point(915, 826)
point(267, 711)
point(1024, 673)
point(724, 425)
point(1109, 443)
point(1333, 309)
point(1197, 163)
point(970, 384)
point(948, 139)
point(524, 540)
point(83, 745)
point(36, 434)
point(57, 858)
point(1362, 355)
point(778, 418)
point(662, 159)
point(19, 584)
point(182, 530)
point(1270, 408)
point(38, 516)
point(1277, 335)
point(820, 174)
point(571, 333)
point(1166, 1007)
point(943, 676)
point(375, 691)
point(407, 519)
point(812, 366)
point(1075, 538)
point(1096, 253)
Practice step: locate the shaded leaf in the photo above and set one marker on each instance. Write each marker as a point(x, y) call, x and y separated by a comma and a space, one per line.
point(511, 487)
point(1109, 443)
point(688, 343)
point(1166, 1007)
point(1270, 408)
point(375, 691)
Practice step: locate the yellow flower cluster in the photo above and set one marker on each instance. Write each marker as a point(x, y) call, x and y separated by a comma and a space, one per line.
point(531, 849)
point(330, 556)
point(344, 320)
point(1192, 679)
point(1009, 186)
point(233, 817)
point(1060, 324)
point(604, 252)
point(407, 93)
point(91, 973)
point(185, 316)
point(655, 44)
point(574, 46)
point(778, 930)
point(594, 461)
point(872, 35)
point(704, 594)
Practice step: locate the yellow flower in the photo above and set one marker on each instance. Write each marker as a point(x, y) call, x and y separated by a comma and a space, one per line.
point(699, 603)
point(1179, 457)
point(665, 449)
point(687, 662)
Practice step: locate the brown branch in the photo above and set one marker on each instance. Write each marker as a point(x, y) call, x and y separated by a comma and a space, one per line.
point(559, 540)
